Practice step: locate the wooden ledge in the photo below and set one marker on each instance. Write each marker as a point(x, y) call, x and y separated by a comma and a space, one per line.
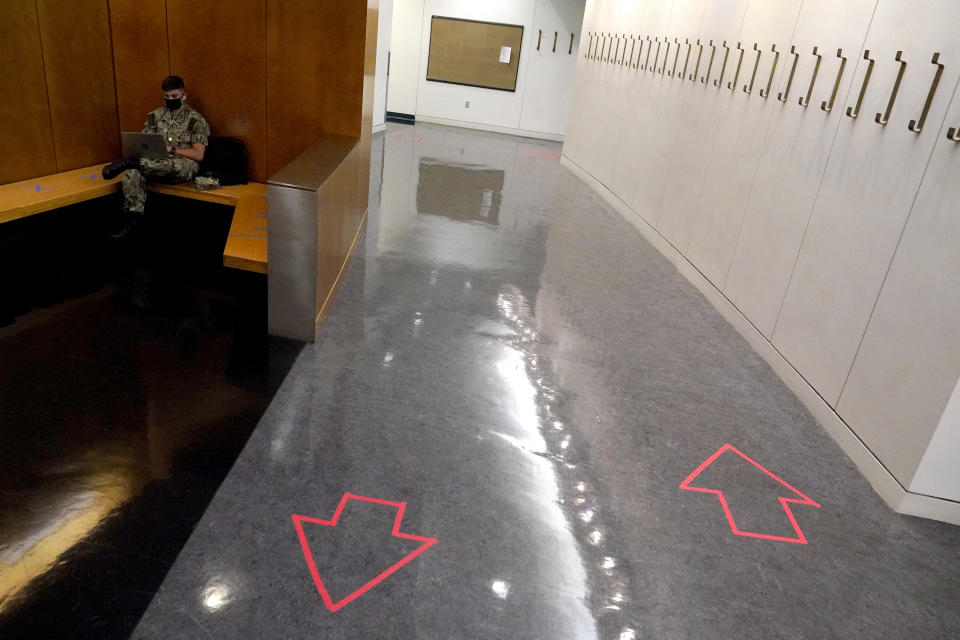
point(246, 246)
point(230, 195)
point(29, 197)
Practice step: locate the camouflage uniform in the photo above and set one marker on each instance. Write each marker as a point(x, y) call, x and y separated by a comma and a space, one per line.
point(181, 132)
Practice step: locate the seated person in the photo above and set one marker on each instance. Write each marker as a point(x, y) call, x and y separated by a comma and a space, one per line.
point(187, 133)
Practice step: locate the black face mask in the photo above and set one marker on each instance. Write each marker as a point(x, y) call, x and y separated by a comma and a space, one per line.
point(173, 105)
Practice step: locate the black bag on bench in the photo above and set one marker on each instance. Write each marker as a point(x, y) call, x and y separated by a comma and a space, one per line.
point(226, 160)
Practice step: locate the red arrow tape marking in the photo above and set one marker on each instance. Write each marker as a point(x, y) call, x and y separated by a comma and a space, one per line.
point(803, 499)
point(298, 521)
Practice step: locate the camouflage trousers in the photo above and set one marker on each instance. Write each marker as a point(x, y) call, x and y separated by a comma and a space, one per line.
point(171, 170)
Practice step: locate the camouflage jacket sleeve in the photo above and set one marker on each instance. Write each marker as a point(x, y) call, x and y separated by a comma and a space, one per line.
point(199, 130)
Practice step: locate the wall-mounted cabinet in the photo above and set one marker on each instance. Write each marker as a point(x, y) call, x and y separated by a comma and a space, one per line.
point(781, 147)
point(871, 180)
point(699, 114)
point(909, 362)
point(647, 135)
point(739, 138)
point(795, 153)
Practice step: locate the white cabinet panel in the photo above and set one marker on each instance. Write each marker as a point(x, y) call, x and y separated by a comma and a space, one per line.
point(767, 32)
point(629, 84)
point(909, 362)
point(604, 74)
point(939, 473)
point(575, 140)
point(673, 208)
point(871, 180)
point(549, 74)
point(650, 121)
point(572, 136)
point(795, 154)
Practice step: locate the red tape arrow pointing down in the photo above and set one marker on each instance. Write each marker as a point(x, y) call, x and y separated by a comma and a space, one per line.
point(401, 506)
point(803, 499)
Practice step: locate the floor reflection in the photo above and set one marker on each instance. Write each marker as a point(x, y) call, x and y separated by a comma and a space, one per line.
point(119, 415)
point(460, 192)
point(608, 571)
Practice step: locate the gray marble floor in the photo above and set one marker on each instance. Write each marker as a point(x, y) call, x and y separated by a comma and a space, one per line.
point(489, 437)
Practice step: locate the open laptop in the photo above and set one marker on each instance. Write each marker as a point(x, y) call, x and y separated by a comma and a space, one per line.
point(138, 145)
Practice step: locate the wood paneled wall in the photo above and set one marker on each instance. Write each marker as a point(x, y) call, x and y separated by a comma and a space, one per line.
point(83, 101)
point(275, 73)
point(315, 57)
point(141, 57)
point(25, 126)
point(222, 57)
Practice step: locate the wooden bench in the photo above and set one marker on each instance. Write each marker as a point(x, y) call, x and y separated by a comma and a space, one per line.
point(246, 246)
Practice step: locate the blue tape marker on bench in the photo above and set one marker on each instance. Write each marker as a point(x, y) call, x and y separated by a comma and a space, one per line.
point(39, 188)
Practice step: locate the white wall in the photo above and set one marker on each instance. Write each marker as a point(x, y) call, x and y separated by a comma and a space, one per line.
point(540, 104)
point(404, 82)
point(384, 28)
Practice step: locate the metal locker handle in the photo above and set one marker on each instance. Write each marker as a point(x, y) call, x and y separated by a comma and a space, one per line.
point(646, 63)
point(713, 52)
point(636, 65)
point(676, 56)
point(883, 118)
point(805, 101)
point(756, 64)
point(686, 61)
point(539, 37)
point(666, 56)
point(764, 93)
point(717, 82)
point(554, 42)
point(696, 68)
point(853, 112)
point(917, 125)
point(656, 57)
point(783, 95)
point(736, 75)
point(828, 106)
point(616, 52)
point(571, 44)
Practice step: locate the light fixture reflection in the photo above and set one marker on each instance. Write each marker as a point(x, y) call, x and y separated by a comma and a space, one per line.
point(216, 596)
point(500, 588)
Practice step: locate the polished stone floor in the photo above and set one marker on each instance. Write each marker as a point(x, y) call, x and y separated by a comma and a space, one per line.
point(489, 437)
point(127, 389)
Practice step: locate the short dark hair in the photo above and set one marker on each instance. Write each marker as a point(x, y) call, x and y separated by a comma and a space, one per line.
point(172, 83)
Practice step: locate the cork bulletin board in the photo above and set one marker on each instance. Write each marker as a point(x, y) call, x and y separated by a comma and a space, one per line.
point(473, 53)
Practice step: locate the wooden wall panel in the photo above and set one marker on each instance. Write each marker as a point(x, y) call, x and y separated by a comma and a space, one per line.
point(221, 54)
point(24, 114)
point(79, 66)
point(140, 57)
point(315, 56)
